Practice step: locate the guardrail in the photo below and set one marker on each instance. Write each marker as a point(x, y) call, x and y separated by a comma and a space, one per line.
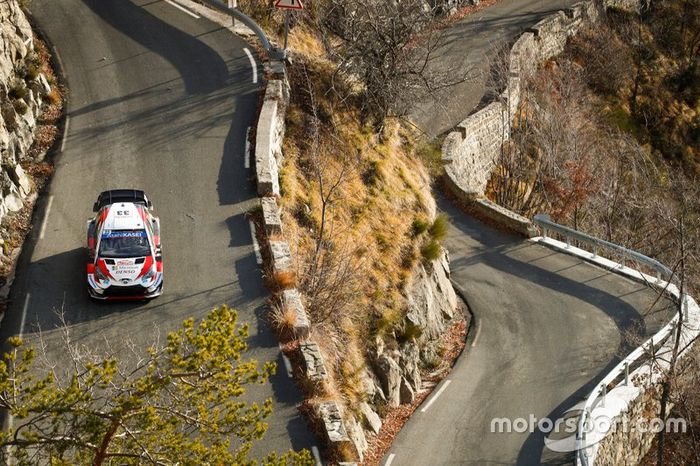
point(273, 52)
point(641, 354)
point(546, 223)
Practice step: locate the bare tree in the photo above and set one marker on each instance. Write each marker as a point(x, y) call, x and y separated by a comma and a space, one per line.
point(387, 46)
point(330, 280)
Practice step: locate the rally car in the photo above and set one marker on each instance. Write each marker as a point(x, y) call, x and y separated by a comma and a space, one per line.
point(124, 251)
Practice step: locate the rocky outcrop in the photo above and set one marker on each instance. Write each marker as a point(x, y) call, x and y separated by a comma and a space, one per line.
point(432, 304)
point(389, 373)
point(22, 88)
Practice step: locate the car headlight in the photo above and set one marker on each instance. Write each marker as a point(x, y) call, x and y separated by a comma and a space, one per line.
point(99, 275)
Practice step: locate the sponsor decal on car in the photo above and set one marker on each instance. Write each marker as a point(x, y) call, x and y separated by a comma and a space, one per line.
point(123, 234)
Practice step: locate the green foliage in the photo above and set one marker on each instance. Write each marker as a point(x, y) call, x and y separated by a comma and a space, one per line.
point(431, 251)
point(32, 72)
point(181, 403)
point(409, 332)
point(17, 90)
point(439, 228)
point(419, 227)
point(372, 174)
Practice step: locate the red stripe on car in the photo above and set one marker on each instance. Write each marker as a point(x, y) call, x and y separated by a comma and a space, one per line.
point(103, 267)
point(146, 266)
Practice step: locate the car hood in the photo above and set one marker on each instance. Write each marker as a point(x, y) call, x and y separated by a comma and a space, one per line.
point(126, 270)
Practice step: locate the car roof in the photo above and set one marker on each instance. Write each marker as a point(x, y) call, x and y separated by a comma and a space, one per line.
point(124, 216)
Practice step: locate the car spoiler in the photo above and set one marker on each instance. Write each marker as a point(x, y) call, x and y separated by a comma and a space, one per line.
point(121, 195)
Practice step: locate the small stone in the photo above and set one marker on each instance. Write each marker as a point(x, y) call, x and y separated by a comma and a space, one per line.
point(313, 361)
point(329, 413)
point(291, 300)
point(281, 256)
point(271, 215)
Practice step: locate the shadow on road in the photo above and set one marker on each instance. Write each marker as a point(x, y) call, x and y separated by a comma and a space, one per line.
point(137, 24)
point(503, 252)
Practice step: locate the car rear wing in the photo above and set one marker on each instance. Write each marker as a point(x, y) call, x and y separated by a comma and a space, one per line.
point(121, 195)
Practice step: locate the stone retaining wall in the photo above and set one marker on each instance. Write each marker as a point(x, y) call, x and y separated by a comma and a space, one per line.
point(268, 162)
point(471, 151)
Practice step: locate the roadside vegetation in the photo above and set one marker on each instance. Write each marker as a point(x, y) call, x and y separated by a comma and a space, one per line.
point(356, 180)
point(179, 401)
point(607, 140)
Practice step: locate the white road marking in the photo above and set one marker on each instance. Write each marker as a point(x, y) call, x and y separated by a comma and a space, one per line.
point(256, 246)
point(182, 8)
point(478, 332)
point(58, 59)
point(247, 148)
point(317, 455)
point(287, 363)
point(390, 460)
point(46, 218)
point(25, 308)
point(252, 64)
point(65, 134)
point(436, 396)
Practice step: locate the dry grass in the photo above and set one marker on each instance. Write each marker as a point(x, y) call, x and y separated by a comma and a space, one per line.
point(285, 280)
point(384, 192)
point(283, 321)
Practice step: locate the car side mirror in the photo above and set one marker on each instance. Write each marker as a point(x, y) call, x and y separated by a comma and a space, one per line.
point(95, 207)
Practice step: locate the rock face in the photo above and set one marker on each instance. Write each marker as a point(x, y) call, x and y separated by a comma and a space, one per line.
point(21, 91)
point(431, 298)
point(389, 374)
point(432, 304)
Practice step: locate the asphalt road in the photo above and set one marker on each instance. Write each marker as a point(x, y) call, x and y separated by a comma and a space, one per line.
point(161, 101)
point(465, 49)
point(547, 327)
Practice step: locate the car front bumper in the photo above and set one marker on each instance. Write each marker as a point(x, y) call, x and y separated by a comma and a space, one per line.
point(125, 293)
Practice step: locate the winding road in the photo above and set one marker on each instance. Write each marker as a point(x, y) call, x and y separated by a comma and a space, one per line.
point(466, 49)
point(547, 327)
point(160, 99)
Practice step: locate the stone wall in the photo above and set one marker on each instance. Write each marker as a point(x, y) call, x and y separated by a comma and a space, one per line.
point(269, 138)
point(21, 92)
point(471, 151)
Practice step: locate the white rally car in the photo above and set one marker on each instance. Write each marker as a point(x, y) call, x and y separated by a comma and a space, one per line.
point(124, 251)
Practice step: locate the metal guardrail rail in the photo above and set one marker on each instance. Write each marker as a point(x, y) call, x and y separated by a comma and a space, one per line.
point(272, 51)
point(641, 354)
point(546, 223)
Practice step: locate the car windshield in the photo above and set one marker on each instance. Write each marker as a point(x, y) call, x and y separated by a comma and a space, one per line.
point(124, 243)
